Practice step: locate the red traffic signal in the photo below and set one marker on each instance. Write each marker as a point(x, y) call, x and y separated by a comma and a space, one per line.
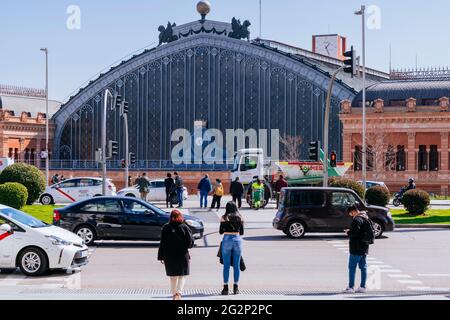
point(333, 159)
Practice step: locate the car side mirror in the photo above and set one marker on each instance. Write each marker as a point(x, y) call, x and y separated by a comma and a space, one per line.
point(6, 228)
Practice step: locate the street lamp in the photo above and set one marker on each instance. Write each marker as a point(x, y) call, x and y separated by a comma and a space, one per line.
point(362, 13)
point(45, 50)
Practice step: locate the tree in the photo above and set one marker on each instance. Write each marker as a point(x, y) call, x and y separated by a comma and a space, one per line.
point(381, 154)
point(291, 147)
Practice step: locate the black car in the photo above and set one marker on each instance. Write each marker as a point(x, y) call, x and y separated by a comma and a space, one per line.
point(304, 210)
point(117, 218)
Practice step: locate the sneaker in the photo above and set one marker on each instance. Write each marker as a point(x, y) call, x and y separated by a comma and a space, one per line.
point(361, 290)
point(349, 290)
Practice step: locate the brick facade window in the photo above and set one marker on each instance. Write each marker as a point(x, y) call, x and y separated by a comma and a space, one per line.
point(434, 158)
point(423, 158)
point(400, 158)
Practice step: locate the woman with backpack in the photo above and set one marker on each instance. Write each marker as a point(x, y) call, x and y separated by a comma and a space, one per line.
point(232, 228)
point(217, 195)
point(176, 240)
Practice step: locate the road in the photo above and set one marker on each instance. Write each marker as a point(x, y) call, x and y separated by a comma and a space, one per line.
point(405, 264)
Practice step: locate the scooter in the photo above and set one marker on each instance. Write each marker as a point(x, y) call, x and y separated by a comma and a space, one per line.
point(398, 197)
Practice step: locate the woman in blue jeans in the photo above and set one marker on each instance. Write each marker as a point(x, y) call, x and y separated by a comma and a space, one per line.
point(232, 227)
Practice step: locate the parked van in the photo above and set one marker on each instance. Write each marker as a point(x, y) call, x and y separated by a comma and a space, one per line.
point(312, 209)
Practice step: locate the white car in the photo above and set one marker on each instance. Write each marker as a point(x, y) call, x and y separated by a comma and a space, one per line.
point(76, 189)
point(36, 247)
point(370, 184)
point(157, 192)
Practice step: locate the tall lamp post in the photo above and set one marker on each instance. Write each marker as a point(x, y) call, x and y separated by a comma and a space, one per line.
point(362, 13)
point(45, 50)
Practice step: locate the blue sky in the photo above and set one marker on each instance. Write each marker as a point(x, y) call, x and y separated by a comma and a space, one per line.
point(112, 29)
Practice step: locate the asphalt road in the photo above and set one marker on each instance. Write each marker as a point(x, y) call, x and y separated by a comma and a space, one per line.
point(405, 264)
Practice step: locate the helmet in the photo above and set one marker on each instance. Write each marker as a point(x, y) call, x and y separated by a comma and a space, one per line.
point(411, 180)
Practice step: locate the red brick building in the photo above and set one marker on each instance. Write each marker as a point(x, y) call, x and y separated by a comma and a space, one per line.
point(408, 128)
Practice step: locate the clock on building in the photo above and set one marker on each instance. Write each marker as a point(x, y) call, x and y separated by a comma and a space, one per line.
point(331, 45)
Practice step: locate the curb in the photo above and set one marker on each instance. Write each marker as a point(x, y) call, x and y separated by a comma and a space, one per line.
point(422, 226)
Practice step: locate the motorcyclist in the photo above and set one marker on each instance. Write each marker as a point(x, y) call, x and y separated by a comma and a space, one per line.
point(257, 193)
point(411, 184)
point(399, 196)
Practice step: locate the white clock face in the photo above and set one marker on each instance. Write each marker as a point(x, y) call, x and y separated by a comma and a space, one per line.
point(327, 45)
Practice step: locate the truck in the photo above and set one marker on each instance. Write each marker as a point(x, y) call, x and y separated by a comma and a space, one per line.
point(250, 164)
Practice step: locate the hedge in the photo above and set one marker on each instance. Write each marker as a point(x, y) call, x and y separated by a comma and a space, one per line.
point(29, 176)
point(347, 183)
point(13, 195)
point(378, 196)
point(416, 201)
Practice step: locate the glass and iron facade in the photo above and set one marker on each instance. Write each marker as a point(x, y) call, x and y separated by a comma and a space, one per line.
point(229, 83)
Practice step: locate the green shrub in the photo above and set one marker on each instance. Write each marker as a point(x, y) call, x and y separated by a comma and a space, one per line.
point(13, 195)
point(378, 196)
point(29, 176)
point(347, 183)
point(416, 201)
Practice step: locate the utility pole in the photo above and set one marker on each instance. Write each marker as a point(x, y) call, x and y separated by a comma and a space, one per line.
point(260, 19)
point(103, 155)
point(362, 13)
point(47, 175)
point(124, 114)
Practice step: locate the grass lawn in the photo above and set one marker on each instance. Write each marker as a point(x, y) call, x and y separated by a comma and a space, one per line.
point(434, 216)
point(44, 213)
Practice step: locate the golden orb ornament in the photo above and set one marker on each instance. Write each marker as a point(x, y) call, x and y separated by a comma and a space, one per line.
point(203, 7)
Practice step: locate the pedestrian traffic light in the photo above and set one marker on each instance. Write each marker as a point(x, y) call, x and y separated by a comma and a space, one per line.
point(113, 148)
point(333, 159)
point(314, 151)
point(350, 63)
point(123, 164)
point(132, 158)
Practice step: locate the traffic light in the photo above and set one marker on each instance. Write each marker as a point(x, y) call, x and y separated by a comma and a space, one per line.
point(132, 158)
point(123, 164)
point(117, 101)
point(314, 151)
point(350, 63)
point(333, 159)
point(113, 148)
point(125, 107)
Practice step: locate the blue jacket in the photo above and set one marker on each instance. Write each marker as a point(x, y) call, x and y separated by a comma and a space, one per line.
point(205, 185)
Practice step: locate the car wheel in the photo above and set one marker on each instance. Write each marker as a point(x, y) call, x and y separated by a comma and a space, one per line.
point(296, 229)
point(86, 233)
point(33, 262)
point(7, 271)
point(396, 202)
point(378, 229)
point(131, 195)
point(46, 200)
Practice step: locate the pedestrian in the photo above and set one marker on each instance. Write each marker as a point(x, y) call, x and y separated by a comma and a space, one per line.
point(179, 188)
point(144, 186)
point(169, 184)
point(280, 184)
point(204, 187)
point(176, 240)
point(136, 181)
point(232, 228)
point(217, 195)
point(62, 179)
point(55, 179)
point(257, 194)
point(129, 181)
point(236, 191)
point(361, 236)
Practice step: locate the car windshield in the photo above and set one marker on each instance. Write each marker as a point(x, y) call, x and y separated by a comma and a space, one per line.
point(23, 218)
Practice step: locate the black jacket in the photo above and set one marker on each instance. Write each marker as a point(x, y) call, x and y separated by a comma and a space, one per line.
point(176, 240)
point(236, 188)
point(178, 183)
point(170, 185)
point(357, 245)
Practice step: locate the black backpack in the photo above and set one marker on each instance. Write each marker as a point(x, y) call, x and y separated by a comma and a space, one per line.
point(368, 235)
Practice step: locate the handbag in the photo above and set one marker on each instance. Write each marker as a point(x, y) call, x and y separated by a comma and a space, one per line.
point(242, 265)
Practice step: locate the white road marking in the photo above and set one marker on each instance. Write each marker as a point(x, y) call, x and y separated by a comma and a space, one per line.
point(410, 281)
point(399, 276)
point(419, 288)
point(390, 270)
point(375, 262)
point(433, 275)
point(380, 266)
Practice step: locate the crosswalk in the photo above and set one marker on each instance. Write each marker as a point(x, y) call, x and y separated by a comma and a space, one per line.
point(378, 268)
